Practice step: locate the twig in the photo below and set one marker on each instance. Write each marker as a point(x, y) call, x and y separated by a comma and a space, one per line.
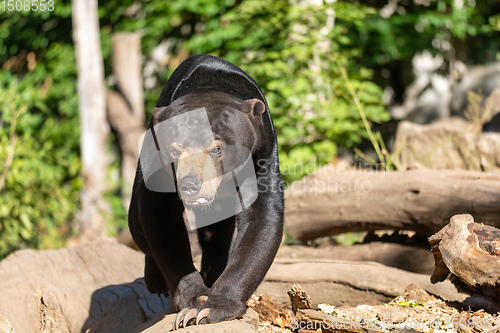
point(10, 152)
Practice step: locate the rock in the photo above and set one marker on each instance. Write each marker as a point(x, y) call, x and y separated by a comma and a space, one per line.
point(427, 97)
point(482, 79)
point(447, 144)
point(416, 142)
point(392, 314)
point(417, 295)
point(492, 112)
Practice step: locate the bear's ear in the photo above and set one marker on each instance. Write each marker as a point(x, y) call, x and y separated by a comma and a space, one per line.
point(157, 113)
point(255, 107)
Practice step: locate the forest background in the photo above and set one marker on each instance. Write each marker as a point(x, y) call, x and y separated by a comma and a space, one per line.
point(307, 56)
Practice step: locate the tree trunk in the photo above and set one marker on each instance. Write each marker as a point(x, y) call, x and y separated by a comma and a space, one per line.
point(126, 105)
point(93, 125)
point(127, 67)
point(333, 201)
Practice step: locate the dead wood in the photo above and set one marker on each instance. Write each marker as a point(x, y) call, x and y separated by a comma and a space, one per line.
point(299, 298)
point(350, 283)
point(413, 311)
point(471, 252)
point(269, 311)
point(249, 323)
point(94, 287)
point(332, 201)
point(313, 320)
point(405, 257)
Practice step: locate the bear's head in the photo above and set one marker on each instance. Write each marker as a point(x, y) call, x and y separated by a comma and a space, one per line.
point(206, 139)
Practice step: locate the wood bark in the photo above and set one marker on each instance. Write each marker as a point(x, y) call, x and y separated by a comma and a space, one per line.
point(333, 201)
point(269, 311)
point(92, 108)
point(471, 251)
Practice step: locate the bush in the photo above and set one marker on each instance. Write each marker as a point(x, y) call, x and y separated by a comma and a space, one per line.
point(40, 187)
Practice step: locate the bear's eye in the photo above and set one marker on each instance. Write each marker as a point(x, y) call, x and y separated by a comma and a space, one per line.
point(216, 151)
point(175, 153)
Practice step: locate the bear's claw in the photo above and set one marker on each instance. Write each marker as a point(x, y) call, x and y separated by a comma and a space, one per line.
point(203, 314)
point(178, 319)
point(187, 314)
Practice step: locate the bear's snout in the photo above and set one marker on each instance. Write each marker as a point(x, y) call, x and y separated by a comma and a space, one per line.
point(190, 186)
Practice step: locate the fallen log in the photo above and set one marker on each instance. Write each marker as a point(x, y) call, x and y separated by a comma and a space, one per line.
point(408, 258)
point(332, 201)
point(247, 324)
point(91, 288)
point(338, 282)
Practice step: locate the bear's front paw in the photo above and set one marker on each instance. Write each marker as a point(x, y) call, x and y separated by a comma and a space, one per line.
point(191, 292)
point(216, 309)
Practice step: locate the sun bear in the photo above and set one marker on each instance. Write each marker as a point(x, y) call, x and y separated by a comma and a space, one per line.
point(209, 154)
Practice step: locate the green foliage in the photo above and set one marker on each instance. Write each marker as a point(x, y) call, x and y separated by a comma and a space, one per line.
point(349, 238)
point(296, 59)
point(40, 190)
point(286, 49)
point(435, 27)
point(38, 89)
point(409, 303)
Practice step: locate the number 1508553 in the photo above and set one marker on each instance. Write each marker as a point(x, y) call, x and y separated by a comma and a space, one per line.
point(27, 5)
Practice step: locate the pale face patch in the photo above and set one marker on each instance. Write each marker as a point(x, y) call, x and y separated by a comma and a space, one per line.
point(213, 179)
